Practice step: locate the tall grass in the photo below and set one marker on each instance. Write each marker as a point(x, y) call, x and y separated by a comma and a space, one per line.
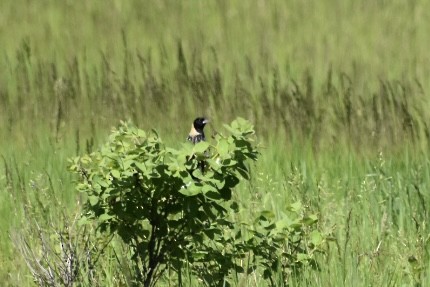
point(338, 92)
point(335, 111)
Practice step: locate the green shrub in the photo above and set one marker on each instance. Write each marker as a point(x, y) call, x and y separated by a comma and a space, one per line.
point(173, 215)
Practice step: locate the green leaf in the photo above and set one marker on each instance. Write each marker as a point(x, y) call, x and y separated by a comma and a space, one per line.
point(222, 148)
point(201, 147)
point(213, 195)
point(244, 173)
point(231, 129)
point(115, 173)
point(105, 217)
point(316, 238)
point(215, 164)
point(141, 166)
point(229, 162)
point(103, 182)
point(127, 163)
point(310, 219)
point(190, 190)
point(207, 187)
point(93, 199)
point(219, 184)
point(283, 223)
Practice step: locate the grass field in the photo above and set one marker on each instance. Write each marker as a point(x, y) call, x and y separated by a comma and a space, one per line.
point(338, 92)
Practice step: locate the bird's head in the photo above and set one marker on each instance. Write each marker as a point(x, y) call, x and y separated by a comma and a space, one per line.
point(200, 123)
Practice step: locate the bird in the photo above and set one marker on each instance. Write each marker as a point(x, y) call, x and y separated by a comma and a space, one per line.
point(197, 135)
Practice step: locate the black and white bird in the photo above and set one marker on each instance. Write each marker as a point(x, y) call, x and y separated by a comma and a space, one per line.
point(197, 135)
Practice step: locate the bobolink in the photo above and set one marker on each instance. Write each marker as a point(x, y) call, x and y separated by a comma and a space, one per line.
point(197, 135)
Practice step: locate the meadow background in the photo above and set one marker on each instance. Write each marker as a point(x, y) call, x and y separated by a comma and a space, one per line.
point(338, 92)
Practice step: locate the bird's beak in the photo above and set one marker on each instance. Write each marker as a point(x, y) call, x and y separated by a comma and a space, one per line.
point(205, 121)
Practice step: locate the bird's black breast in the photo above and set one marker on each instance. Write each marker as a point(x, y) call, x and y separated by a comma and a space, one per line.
point(196, 138)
